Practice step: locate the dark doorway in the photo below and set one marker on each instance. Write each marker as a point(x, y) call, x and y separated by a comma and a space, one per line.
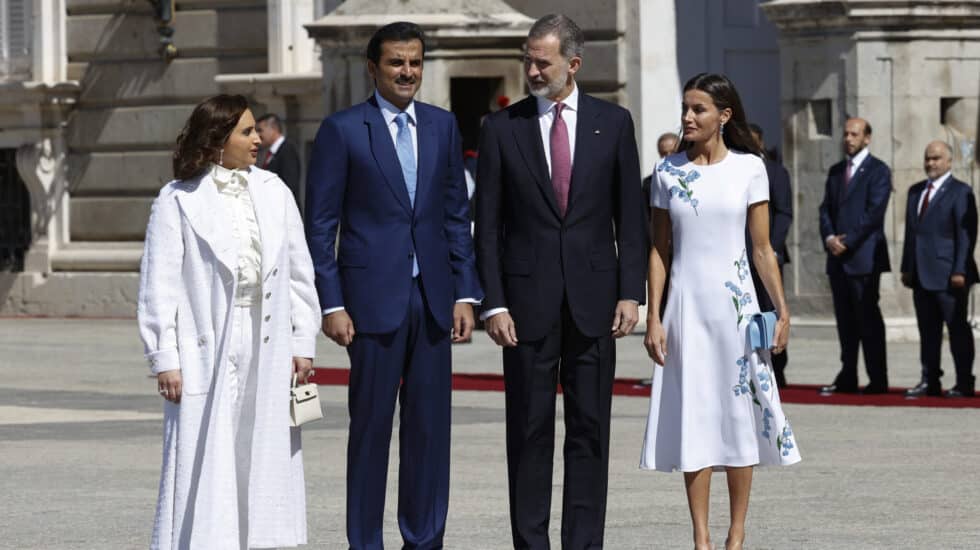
point(471, 99)
point(15, 214)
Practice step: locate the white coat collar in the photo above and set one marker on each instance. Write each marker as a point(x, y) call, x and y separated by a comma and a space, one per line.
point(201, 205)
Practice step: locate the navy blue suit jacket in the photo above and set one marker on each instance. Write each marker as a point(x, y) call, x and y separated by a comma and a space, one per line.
point(780, 212)
point(859, 213)
point(530, 257)
point(941, 244)
point(355, 185)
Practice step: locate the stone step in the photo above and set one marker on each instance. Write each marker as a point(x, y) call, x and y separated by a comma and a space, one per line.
point(139, 173)
point(108, 218)
point(126, 128)
point(228, 31)
point(153, 81)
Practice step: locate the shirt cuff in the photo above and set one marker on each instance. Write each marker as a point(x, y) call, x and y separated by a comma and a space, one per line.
point(827, 240)
point(473, 301)
point(330, 310)
point(163, 360)
point(491, 312)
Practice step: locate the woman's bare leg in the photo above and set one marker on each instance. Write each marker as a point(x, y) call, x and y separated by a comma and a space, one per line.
point(739, 487)
point(698, 485)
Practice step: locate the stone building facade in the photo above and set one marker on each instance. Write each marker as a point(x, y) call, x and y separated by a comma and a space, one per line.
point(93, 107)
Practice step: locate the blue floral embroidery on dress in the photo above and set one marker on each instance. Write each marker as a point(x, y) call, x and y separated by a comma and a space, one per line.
point(682, 189)
point(740, 298)
point(767, 424)
point(785, 440)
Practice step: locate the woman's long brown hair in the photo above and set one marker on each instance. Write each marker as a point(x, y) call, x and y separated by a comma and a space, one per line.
point(205, 133)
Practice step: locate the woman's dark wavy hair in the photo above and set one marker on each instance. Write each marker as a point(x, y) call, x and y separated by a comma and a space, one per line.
point(724, 95)
point(205, 133)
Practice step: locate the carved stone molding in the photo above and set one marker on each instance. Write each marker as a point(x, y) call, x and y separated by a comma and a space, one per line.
point(43, 168)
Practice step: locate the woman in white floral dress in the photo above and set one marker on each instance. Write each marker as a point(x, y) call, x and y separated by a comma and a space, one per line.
point(714, 404)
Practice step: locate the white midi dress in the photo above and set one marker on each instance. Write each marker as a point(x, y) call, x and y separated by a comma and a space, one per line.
point(714, 404)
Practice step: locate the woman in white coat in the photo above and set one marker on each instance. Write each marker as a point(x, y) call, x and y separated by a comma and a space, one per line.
point(227, 312)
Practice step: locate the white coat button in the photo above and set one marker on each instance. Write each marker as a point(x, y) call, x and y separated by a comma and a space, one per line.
point(268, 295)
point(201, 341)
point(267, 317)
point(265, 340)
point(275, 272)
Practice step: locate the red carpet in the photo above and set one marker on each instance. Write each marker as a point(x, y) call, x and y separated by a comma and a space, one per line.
point(795, 393)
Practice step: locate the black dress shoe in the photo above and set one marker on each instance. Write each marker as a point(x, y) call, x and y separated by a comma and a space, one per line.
point(923, 389)
point(874, 390)
point(837, 388)
point(956, 393)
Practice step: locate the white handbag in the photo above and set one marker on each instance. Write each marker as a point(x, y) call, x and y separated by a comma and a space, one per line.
point(304, 403)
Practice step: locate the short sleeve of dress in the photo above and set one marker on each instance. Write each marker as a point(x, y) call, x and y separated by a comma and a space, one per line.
point(659, 192)
point(758, 181)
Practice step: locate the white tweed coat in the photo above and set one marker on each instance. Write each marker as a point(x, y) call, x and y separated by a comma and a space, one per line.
point(187, 284)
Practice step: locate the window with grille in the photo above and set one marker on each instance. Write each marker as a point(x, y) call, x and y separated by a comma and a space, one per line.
point(15, 39)
point(15, 214)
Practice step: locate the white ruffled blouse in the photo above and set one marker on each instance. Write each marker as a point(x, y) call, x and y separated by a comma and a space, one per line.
point(233, 188)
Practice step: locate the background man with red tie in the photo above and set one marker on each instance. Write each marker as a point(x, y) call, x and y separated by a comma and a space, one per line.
point(938, 265)
point(280, 155)
point(561, 250)
point(852, 217)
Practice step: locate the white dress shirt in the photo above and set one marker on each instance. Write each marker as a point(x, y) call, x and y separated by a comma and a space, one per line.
point(233, 188)
point(389, 112)
point(274, 148)
point(935, 187)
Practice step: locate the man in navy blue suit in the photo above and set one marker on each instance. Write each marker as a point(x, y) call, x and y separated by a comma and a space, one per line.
point(780, 220)
point(852, 225)
point(388, 175)
point(562, 249)
point(938, 265)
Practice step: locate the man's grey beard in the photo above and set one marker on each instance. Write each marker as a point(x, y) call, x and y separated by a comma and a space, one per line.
point(551, 89)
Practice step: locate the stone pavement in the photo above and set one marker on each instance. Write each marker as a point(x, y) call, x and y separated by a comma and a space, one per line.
point(80, 444)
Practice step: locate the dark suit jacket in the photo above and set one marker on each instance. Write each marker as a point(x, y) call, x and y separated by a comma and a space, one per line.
point(355, 184)
point(286, 164)
point(858, 212)
point(941, 244)
point(780, 212)
point(530, 258)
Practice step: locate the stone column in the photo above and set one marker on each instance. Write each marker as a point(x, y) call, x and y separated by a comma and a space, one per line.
point(290, 48)
point(909, 67)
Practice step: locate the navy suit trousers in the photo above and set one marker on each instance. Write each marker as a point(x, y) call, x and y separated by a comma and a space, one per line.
point(412, 365)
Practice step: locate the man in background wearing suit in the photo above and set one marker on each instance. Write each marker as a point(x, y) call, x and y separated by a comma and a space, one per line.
point(388, 173)
point(562, 254)
point(938, 265)
point(280, 156)
point(780, 219)
point(852, 225)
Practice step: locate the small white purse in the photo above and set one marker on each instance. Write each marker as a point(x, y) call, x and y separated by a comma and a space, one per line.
point(304, 403)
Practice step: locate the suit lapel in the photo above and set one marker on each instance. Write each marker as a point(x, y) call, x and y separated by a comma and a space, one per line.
point(428, 149)
point(270, 213)
point(384, 153)
point(936, 198)
point(587, 128)
point(527, 133)
point(207, 216)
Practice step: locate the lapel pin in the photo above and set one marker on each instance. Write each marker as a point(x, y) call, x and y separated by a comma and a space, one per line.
point(597, 132)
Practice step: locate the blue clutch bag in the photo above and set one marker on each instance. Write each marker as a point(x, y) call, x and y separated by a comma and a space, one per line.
point(762, 330)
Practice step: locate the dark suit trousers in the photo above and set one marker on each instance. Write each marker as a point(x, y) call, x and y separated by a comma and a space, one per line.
point(779, 360)
point(412, 364)
point(585, 367)
point(932, 309)
point(859, 324)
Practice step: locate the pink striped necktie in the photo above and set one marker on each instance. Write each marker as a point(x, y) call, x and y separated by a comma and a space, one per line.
point(561, 159)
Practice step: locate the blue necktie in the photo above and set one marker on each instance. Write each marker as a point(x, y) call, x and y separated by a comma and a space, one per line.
point(406, 157)
point(406, 154)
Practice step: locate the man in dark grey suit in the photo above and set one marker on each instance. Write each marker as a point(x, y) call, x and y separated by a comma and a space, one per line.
point(279, 155)
point(780, 219)
point(938, 265)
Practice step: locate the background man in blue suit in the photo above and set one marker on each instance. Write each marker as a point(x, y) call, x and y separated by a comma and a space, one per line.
point(388, 174)
point(780, 220)
point(938, 265)
point(852, 224)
